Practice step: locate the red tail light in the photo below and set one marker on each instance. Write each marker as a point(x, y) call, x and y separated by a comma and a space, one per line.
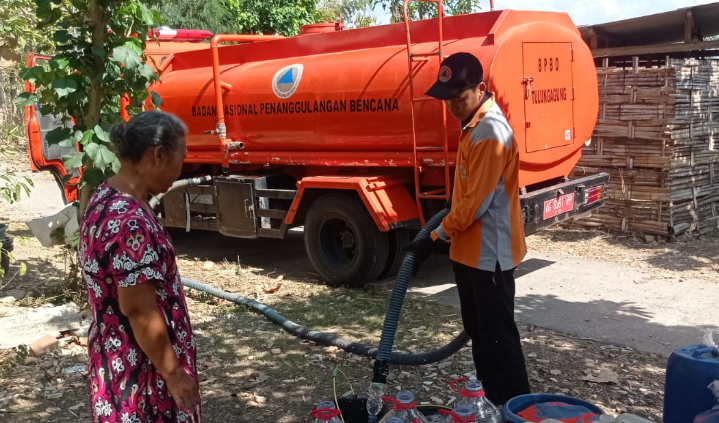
point(594, 194)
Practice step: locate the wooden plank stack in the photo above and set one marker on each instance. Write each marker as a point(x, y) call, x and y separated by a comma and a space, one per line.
point(657, 135)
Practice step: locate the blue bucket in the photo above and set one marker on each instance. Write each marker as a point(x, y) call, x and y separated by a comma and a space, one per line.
point(520, 403)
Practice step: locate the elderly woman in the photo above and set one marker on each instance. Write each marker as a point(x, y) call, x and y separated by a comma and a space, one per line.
point(141, 346)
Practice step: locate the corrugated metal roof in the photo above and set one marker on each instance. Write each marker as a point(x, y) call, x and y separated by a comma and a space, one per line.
point(667, 27)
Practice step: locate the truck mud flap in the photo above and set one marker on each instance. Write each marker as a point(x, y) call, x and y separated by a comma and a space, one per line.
point(568, 200)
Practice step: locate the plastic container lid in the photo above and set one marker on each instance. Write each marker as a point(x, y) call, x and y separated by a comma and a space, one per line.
point(474, 385)
point(405, 397)
point(699, 352)
point(464, 410)
point(324, 405)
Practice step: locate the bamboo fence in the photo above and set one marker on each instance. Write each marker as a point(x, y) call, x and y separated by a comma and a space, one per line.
point(657, 135)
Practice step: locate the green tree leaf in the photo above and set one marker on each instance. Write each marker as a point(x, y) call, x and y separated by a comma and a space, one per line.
point(73, 160)
point(67, 143)
point(100, 155)
point(59, 135)
point(147, 72)
point(133, 44)
point(25, 99)
point(59, 63)
point(148, 18)
point(99, 52)
point(156, 99)
point(127, 57)
point(33, 73)
point(61, 36)
point(102, 134)
point(94, 176)
point(64, 86)
point(87, 137)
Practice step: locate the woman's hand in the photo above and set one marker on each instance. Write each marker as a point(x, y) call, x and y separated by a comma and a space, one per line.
point(183, 388)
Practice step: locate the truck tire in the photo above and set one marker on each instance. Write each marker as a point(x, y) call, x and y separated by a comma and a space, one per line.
point(343, 242)
point(398, 240)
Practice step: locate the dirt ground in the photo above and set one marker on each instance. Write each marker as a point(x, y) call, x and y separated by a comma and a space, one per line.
point(253, 371)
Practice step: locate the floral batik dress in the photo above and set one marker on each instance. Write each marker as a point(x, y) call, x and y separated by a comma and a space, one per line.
point(121, 245)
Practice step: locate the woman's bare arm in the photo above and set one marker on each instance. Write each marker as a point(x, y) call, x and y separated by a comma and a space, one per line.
point(139, 304)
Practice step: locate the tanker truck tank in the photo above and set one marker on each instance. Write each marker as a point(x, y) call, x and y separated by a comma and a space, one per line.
point(347, 91)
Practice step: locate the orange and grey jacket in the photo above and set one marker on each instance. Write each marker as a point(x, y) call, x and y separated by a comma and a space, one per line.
point(485, 223)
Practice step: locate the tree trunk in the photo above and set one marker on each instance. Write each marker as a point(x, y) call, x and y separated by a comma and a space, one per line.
point(2, 98)
point(13, 94)
point(98, 23)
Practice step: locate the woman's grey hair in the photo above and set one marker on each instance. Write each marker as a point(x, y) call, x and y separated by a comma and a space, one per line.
point(144, 130)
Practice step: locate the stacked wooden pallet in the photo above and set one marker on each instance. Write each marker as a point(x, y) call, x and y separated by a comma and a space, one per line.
point(657, 135)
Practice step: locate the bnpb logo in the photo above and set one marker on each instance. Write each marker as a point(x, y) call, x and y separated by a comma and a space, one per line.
point(445, 74)
point(286, 80)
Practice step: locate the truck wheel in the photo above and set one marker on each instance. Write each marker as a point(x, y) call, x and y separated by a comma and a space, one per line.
point(343, 242)
point(398, 240)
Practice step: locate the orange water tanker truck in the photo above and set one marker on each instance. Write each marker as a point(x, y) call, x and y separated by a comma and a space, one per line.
point(330, 130)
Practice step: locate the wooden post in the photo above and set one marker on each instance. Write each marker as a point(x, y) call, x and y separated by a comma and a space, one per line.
point(592, 39)
point(688, 26)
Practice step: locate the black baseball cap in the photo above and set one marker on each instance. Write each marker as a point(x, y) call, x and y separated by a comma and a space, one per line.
point(456, 73)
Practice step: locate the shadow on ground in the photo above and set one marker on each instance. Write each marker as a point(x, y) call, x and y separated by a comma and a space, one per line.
point(251, 370)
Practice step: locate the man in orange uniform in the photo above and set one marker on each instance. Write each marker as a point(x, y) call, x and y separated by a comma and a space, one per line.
point(485, 226)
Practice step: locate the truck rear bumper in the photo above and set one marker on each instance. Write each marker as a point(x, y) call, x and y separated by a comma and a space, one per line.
point(571, 199)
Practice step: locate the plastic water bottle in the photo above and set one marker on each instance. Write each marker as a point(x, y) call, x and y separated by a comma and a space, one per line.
point(374, 400)
point(404, 408)
point(473, 395)
point(326, 412)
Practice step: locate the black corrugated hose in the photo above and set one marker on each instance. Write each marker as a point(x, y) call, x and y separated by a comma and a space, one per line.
point(384, 354)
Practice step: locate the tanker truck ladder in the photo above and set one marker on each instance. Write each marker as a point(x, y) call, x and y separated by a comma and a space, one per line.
point(412, 58)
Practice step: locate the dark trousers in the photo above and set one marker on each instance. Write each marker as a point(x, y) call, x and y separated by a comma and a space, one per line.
point(487, 301)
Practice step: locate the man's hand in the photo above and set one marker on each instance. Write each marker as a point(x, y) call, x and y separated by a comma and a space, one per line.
point(184, 389)
point(422, 249)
